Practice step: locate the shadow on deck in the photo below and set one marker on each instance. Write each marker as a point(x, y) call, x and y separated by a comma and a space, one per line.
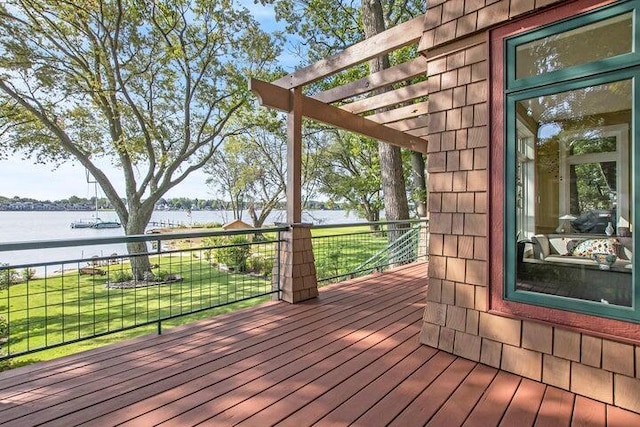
point(350, 356)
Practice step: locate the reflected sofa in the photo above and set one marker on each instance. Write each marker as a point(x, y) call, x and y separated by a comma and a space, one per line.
point(577, 248)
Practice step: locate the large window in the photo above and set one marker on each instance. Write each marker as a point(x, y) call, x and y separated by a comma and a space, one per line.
point(570, 91)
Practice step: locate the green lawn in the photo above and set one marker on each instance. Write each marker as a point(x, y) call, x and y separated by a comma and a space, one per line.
point(69, 307)
point(338, 251)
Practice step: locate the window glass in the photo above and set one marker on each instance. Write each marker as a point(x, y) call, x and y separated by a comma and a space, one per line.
point(572, 152)
point(604, 39)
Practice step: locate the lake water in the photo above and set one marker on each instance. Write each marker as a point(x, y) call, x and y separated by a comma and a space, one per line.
point(30, 226)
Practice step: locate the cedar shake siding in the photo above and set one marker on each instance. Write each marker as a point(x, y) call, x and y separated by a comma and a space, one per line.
point(460, 316)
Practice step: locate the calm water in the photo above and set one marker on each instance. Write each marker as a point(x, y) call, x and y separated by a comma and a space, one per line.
point(29, 226)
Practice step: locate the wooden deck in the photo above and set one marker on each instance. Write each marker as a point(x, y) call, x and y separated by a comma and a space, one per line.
point(349, 357)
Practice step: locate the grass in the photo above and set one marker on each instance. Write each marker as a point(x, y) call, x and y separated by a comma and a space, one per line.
point(338, 251)
point(70, 307)
point(74, 308)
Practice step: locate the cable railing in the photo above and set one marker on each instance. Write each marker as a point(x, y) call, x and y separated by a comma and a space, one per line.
point(350, 250)
point(48, 303)
point(55, 300)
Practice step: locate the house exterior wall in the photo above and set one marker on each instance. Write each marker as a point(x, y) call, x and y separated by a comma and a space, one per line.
point(458, 317)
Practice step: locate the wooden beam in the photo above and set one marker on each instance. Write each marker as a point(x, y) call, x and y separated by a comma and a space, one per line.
point(294, 158)
point(388, 99)
point(401, 72)
point(271, 95)
point(410, 124)
point(419, 132)
point(402, 113)
point(394, 38)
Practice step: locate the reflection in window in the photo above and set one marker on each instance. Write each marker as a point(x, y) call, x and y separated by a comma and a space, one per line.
point(580, 175)
point(600, 40)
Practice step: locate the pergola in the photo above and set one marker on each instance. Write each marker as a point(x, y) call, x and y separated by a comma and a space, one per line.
point(385, 106)
point(398, 116)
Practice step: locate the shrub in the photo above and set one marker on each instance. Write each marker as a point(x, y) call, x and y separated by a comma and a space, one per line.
point(162, 275)
point(329, 262)
point(233, 251)
point(8, 276)
point(4, 328)
point(262, 265)
point(28, 273)
point(121, 276)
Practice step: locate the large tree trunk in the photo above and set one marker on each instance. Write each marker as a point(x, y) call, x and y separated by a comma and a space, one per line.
point(393, 184)
point(136, 224)
point(419, 183)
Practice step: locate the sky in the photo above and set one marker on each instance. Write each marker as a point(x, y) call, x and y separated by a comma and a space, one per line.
point(23, 178)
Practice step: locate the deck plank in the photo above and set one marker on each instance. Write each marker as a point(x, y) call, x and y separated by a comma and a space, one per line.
point(524, 406)
point(556, 408)
point(349, 357)
point(274, 394)
point(425, 406)
point(306, 347)
point(588, 413)
point(366, 409)
point(362, 390)
point(460, 404)
point(494, 402)
point(365, 366)
point(201, 360)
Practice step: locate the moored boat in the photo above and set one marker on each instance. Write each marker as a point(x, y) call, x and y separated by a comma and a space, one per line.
point(83, 223)
point(96, 223)
point(106, 224)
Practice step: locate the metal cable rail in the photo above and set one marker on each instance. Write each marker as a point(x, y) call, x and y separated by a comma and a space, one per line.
point(365, 248)
point(46, 304)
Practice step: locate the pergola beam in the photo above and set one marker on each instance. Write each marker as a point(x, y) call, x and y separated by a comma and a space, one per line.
point(279, 98)
point(394, 38)
point(401, 72)
point(402, 113)
point(388, 99)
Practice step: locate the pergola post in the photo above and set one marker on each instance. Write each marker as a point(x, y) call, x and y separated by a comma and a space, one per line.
point(298, 281)
point(294, 158)
point(404, 127)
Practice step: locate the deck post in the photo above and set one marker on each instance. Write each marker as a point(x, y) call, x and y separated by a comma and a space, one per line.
point(297, 269)
point(294, 158)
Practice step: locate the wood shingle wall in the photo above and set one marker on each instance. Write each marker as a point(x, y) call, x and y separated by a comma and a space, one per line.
point(457, 317)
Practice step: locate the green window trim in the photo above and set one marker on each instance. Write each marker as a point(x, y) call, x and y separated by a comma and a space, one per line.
point(626, 60)
point(621, 67)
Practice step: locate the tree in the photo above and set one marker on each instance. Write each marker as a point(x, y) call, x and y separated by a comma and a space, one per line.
point(351, 171)
point(393, 184)
point(225, 169)
point(150, 85)
point(328, 27)
point(252, 168)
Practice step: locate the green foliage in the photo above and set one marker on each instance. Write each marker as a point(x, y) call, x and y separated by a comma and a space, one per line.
point(78, 306)
point(28, 273)
point(4, 328)
point(8, 276)
point(147, 86)
point(251, 170)
point(121, 276)
point(350, 170)
point(163, 276)
point(232, 251)
point(329, 263)
point(261, 265)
